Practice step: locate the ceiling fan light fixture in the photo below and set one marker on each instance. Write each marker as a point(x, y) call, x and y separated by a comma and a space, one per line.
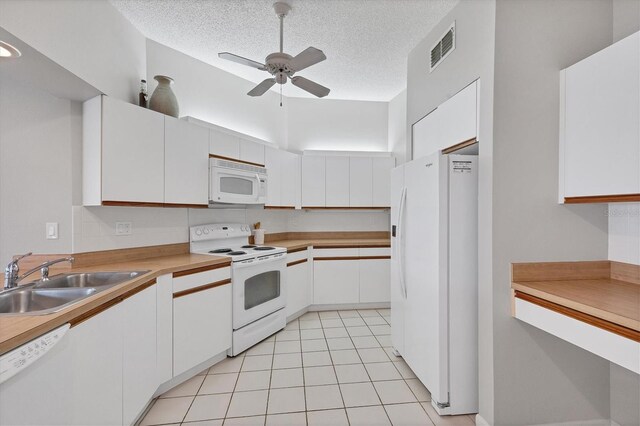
point(8, 51)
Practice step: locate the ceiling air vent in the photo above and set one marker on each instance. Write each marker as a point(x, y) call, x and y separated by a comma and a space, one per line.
point(443, 47)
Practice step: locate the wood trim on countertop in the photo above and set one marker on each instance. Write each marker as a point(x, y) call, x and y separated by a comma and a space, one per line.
point(346, 208)
point(201, 269)
point(614, 198)
point(580, 316)
point(235, 160)
point(201, 288)
point(558, 271)
point(86, 259)
point(296, 250)
point(95, 311)
point(297, 262)
point(459, 146)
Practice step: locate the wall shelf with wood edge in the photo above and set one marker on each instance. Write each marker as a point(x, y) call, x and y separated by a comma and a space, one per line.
point(594, 305)
point(594, 199)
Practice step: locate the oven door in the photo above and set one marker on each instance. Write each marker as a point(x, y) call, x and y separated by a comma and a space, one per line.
point(258, 288)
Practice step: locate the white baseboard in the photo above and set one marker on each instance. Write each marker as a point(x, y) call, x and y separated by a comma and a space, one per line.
point(480, 421)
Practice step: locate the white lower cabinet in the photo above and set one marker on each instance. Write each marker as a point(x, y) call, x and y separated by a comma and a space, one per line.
point(139, 374)
point(164, 329)
point(335, 282)
point(202, 323)
point(375, 280)
point(298, 279)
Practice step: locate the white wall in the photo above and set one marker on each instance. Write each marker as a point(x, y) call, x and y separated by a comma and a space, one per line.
point(535, 40)
point(624, 232)
point(216, 96)
point(89, 38)
point(397, 131)
point(328, 124)
point(626, 18)
point(35, 169)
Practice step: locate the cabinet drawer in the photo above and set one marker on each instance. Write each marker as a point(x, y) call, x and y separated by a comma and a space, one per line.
point(375, 251)
point(186, 282)
point(341, 252)
point(298, 255)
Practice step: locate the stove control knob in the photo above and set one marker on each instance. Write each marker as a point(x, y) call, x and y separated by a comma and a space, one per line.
point(206, 231)
point(198, 232)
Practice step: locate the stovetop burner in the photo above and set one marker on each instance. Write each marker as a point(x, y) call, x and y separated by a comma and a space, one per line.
point(248, 246)
point(222, 250)
point(236, 253)
point(264, 248)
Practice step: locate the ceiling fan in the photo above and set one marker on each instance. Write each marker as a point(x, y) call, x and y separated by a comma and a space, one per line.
point(283, 66)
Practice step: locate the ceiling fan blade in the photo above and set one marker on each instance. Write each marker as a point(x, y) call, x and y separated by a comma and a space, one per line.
point(261, 88)
point(306, 58)
point(310, 86)
point(240, 60)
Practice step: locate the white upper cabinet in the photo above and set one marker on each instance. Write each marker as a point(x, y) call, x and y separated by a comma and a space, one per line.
point(123, 153)
point(186, 163)
point(224, 144)
point(337, 181)
point(313, 181)
point(252, 152)
point(274, 160)
point(290, 195)
point(382, 180)
point(360, 181)
point(600, 125)
point(451, 123)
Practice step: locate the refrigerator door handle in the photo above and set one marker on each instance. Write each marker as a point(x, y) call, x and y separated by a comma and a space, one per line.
point(403, 199)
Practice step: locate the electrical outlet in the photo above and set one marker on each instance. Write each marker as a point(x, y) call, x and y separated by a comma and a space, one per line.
point(51, 231)
point(124, 228)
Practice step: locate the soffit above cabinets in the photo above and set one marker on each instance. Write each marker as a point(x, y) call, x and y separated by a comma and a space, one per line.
point(366, 42)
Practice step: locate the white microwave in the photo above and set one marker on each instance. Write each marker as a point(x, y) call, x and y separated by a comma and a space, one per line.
point(231, 182)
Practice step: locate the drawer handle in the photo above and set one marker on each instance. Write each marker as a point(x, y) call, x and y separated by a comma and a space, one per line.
point(200, 288)
point(297, 262)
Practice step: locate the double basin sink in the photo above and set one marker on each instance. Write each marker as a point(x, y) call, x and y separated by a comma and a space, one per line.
point(59, 292)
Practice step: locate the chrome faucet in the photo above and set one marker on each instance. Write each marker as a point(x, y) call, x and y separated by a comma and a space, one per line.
point(11, 277)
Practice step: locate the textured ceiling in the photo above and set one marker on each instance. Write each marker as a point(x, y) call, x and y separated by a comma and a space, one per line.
point(366, 41)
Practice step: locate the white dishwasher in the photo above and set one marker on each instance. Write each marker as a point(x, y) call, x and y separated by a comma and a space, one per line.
point(20, 358)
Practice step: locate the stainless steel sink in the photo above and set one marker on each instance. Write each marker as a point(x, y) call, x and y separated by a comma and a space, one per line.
point(89, 279)
point(40, 301)
point(58, 292)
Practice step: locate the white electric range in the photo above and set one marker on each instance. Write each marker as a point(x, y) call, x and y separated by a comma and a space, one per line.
point(257, 280)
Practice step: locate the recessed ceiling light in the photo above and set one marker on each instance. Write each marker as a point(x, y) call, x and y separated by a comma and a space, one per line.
point(8, 51)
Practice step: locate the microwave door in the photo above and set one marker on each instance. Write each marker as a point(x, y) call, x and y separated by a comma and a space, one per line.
point(236, 187)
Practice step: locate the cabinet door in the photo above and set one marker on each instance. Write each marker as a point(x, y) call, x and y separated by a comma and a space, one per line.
point(458, 118)
point(164, 328)
point(224, 144)
point(186, 163)
point(360, 182)
point(290, 195)
point(201, 326)
point(601, 125)
point(274, 160)
point(313, 181)
point(374, 280)
point(335, 281)
point(382, 181)
point(337, 178)
point(97, 354)
point(297, 287)
point(426, 135)
point(132, 153)
point(251, 152)
point(139, 371)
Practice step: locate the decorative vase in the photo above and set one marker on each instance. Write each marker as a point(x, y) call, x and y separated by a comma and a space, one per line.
point(163, 99)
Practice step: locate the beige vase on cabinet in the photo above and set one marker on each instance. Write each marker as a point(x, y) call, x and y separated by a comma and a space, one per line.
point(163, 99)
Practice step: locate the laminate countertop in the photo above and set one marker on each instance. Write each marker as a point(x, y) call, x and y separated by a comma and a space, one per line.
point(17, 330)
point(605, 290)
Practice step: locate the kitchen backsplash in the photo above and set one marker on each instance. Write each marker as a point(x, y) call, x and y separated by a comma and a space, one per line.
point(624, 232)
point(94, 228)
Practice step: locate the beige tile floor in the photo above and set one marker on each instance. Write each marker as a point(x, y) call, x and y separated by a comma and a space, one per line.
point(325, 368)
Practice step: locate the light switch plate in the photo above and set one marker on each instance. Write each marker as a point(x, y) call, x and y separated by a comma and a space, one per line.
point(51, 231)
point(124, 228)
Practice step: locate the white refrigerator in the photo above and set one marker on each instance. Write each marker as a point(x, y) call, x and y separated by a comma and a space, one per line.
point(434, 279)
